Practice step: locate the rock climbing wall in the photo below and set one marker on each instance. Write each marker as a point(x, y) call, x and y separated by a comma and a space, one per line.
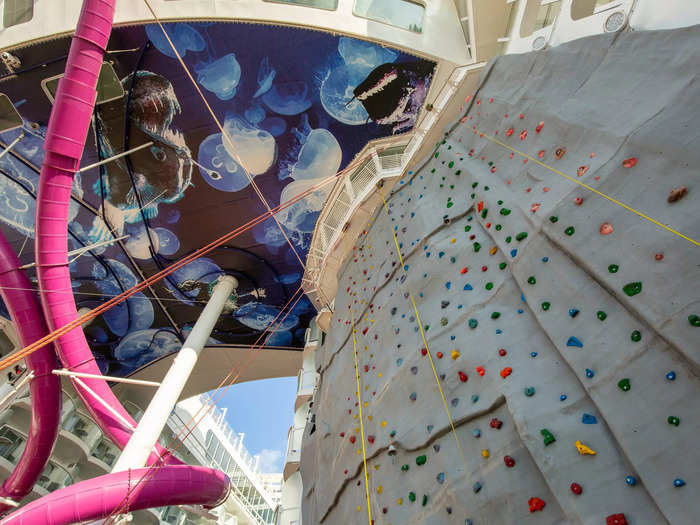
point(548, 372)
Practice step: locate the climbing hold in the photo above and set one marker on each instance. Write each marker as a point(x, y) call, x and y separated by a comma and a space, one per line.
point(578, 201)
point(616, 519)
point(509, 461)
point(404, 468)
point(613, 268)
point(480, 370)
point(485, 453)
point(589, 373)
point(523, 134)
point(671, 375)
point(601, 315)
point(570, 231)
point(370, 439)
point(539, 127)
point(439, 355)
point(624, 384)
point(496, 423)
point(495, 315)
point(462, 376)
point(563, 397)
point(631, 481)
point(477, 487)
point(636, 336)
point(380, 489)
point(548, 437)
point(425, 500)
point(583, 449)
point(352, 439)
point(606, 228)
point(546, 305)
point(588, 419)
point(678, 483)
point(475, 398)
point(573, 341)
point(521, 236)
point(530, 391)
point(629, 163)
point(454, 355)
point(694, 320)
point(476, 433)
point(573, 312)
point(473, 323)
point(632, 289)
point(440, 478)
point(531, 280)
point(674, 420)
point(576, 488)
point(581, 171)
point(536, 504)
point(413, 396)
point(509, 132)
point(502, 352)
point(411, 496)
point(506, 372)
point(421, 460)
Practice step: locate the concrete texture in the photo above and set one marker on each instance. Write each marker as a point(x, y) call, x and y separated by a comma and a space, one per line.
point(511, 265)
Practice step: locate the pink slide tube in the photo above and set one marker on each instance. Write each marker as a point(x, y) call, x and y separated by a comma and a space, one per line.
point(45, 388)
point(65, 140)
point(97, 498)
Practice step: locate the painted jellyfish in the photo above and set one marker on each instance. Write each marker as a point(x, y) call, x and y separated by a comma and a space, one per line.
point(358, 60)
point(301, 216)
point(218, 168)
point(184, 37)
point(139, 243)
point(279, 339)
point(256, 148)
point(266, 74)
point(168, 243)
point(259, 316)
point(288, 98)
point(255, 114)
point(320, 154)
point(187, 282)
point(221, 77)
point(276, 126)
point(136, 313)
point(140, 347)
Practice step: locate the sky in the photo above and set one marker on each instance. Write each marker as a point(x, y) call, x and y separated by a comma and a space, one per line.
point(264, 411)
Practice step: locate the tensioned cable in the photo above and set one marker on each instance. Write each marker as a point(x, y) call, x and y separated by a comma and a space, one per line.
point(359, 401)
point(590, 188)
point(224, 134)
point(207, 407)
point(422, 334)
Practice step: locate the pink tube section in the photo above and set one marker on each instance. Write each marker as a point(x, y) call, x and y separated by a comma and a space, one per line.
point(65, 140)
point(96, 499)
point(45, 388)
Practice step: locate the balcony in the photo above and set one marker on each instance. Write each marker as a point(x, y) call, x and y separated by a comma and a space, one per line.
point(306, 386)
point(290, 516)
point(291, 464)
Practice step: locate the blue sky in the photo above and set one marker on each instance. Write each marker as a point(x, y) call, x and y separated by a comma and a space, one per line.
point(264, 410)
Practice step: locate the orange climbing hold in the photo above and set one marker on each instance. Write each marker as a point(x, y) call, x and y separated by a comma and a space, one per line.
point(480, 370)
point(506, 372)
point(629, 163)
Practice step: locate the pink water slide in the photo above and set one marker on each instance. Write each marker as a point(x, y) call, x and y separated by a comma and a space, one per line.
point(168, 482)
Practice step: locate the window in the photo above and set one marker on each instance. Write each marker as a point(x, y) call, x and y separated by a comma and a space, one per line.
point(331, 5)
point(405, 14)
point(9, 119)
point(10, 443)
point(108, 85)
point(547, 14)
point(17, 12)
point(584, 8)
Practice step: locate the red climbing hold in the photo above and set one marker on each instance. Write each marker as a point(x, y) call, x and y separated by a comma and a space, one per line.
point(502, 352)
point(581, 171)
point(480, 370)
point(616, 519)
point(629, 163)
point(539, 127)
point(342, 434)
point(493, 169)
point(523, 134)
point(496, 423)
point(370, 439)
point(659, 256)
point(506, 372)
point(536, 504)
point(484, 268)
point(364, 332)
point(439, 355)
point(352, 439)
point(491, 100)
point(464, 270)
point(462, 376)
point(521, 116)
point(541, 153)
point(423, 351)
point(509, 461)
point(480, 206)
point(576, 488)
point(578, 201)
point(509, 132)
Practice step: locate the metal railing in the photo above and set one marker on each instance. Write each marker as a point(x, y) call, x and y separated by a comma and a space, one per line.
point(294, 444)
point(306, 382)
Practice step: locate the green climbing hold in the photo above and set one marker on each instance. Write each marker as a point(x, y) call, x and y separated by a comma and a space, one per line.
point(553, 219)
point(694, 320)
point(531, 280)
point(450, 204)
point(673, 420)
point(425, 500)
point(601, 315)
point(443, 321)
point(499, 202)
point(495, 315)
point(484, 212)
point(451, 164)
point(624, 384)
point(437, 154)
point(548, 437)
point(412, 496)
point(453, 260)
point(636, 336)
point(508, 239)
point(504, 211)
point(473, 323)
point(477, 246)
point(613, 268)
point(546, 305)
point(521, 236)
point(489, 286)
point(421, 460)
point(404, 468)
point(458, 172)
point(498, 227)
point(502, 266)
point(467, 228)
point(530, 391)
point(570, 231)
point(632, 289)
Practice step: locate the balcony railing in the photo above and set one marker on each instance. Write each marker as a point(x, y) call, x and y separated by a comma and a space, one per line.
point(294, 444)
point(306, 382)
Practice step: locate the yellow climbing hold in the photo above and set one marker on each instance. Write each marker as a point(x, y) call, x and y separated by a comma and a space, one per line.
point(369, 418)
point(383, 424)
point(485, 453)
point(399, 501)
point(493, 250)
point(379, 374)
point(379, 489)
point(455, 354)
point(583, 449)
point(359, 508)
point(359, 451)
point(452, 240)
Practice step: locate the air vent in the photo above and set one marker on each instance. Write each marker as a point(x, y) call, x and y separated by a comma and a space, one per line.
point(539, 43)
point(108, 85)
point(615, 22)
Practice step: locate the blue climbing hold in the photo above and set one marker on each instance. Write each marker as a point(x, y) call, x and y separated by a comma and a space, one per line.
point(589, 373)
point(475, 398)
point(477, 487)
point(413, 396)
point(520, 310)
point(448, 284)
point(545, 259)
point(399, 362)
point(573, 312)
point(533, 354)
point(468, 287)
point(476, 433)
point(440, 478)
point(671, 375)
point(573, 341)
point(513, 252)
point(563, 397)
point(678, 482)
point(631, 481)
point(588, 419)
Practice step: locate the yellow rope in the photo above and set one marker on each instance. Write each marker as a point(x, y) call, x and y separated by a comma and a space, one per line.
point(590, 188)
point(359, 401)
point(425, 342)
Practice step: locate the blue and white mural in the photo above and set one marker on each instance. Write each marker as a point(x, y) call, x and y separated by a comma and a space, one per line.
point(294, 107)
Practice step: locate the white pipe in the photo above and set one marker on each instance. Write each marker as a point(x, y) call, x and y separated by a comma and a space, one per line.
point(11, 145)
point(115, 157)
point(69, 373)
point(102, 402)
point(156, 415)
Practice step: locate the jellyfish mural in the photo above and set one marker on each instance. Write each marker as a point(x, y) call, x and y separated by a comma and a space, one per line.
point(193, 279)
point(260, 316)
point(140, 347)
point(141, 241)
point(221, 77)
point(338, 82)
point(279, 339)
point(288, 98)
point(168, 243)
point(137, 184)
point(319, 155)
point(266, 74)
point(255, 114)
point(184, 37)
point(218, 168)
point(256, 148)
point(136, 313)
point(276, 126)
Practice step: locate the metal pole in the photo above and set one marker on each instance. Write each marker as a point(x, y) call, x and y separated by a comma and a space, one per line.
point(154, 419)
point(11, 145)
